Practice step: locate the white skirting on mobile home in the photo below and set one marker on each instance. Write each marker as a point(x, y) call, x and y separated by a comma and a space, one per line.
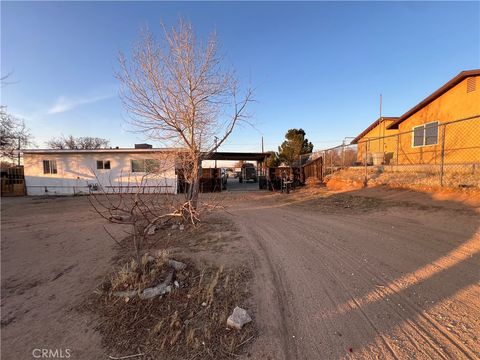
point(72, 172)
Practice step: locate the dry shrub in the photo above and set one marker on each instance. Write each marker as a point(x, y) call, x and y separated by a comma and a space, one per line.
point(189, 322)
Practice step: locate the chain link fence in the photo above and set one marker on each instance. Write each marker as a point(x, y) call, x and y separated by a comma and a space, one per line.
point(431, 154)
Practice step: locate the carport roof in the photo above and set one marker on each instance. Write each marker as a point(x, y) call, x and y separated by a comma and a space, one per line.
point(252, 156)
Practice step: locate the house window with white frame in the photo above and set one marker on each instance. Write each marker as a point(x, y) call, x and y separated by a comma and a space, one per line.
point(425, 135)
point(103, 164)
point(49, 166)
point(145, 165)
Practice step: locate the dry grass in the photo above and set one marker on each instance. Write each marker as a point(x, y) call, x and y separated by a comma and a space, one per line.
point(188, 323)
point(354, 178)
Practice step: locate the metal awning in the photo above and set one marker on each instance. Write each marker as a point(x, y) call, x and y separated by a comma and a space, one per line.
point(236, 156)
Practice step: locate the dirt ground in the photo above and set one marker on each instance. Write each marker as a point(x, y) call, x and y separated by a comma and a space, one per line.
point(365, 274)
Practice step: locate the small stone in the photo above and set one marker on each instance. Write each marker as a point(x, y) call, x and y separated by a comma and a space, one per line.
point(177, 285)
point(168, 289)
point(174, 226)
point(204, 303)
point(177, 265)
point(181, 227)
point(169, 234)
point(152, 230)
point(238, 318)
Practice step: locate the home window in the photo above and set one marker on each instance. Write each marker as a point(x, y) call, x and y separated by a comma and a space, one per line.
point(49, 166)
point(145, 165)
point(103, 164)
point(425, 134)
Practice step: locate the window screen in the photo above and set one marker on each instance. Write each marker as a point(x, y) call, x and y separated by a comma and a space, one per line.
point(138, 166)
point(418, 135)
point(145, 165)
point(431, 133)
point(151, 165)
point(103, 164)
point(49, 167)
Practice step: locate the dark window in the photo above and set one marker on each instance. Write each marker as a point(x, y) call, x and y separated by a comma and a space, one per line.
point(138, 166)
point(49, 167)
point(431, 133)
point(418, 134)
point(426, 134)
point(151, 165)
point(103, 164)
point(145, 165)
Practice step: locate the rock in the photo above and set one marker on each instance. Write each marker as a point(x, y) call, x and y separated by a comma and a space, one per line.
point(168, 289)
point(174, 226)
point(160, 289)
point(125, 294)
point(177, 265)
point(238, 318)
point(176, 284)
point(204, 303)
point(181, 227)
point(152, 230)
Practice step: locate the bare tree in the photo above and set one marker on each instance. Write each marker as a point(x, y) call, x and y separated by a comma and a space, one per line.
point(14, 134)
point(179, 94)
point(78, 143)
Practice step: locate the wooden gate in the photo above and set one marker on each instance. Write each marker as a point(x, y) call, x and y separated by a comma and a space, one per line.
point(13, 181)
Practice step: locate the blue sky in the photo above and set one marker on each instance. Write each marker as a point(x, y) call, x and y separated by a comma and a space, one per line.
point(316, 65)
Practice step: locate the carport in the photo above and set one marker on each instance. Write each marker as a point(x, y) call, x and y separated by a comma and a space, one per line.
point(259, 157)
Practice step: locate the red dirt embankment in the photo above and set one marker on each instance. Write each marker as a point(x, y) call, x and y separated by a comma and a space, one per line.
point(354, 179)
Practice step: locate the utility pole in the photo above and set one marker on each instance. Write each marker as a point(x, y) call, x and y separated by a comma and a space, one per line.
point(262, 146)
point(216, 139)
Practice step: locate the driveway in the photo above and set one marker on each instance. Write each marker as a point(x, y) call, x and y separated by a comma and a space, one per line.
point(354, 277)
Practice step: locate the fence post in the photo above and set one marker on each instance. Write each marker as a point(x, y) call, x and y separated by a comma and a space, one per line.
point(398, 148)
point(442, 155)
point(365, 183)
point(343, 154)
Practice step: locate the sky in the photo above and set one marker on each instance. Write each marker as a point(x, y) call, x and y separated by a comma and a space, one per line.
point(320, 66)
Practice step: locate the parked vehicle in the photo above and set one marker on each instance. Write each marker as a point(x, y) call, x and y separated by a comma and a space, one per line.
point(249, 172)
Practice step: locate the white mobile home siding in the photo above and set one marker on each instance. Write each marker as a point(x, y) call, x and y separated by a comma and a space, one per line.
point(77, 173)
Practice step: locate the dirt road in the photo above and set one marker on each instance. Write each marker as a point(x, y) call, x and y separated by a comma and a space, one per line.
point(362, 275)
point(347, 277)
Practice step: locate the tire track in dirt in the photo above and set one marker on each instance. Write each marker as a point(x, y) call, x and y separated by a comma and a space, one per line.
point(417, 327)
point(273, 235)
point(262, 259)
point(346, 255)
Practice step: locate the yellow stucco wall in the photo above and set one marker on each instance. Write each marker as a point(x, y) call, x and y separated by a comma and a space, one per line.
point(378, 140)
point(462, 139)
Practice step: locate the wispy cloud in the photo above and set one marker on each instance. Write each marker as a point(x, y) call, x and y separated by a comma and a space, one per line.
point(67, 103)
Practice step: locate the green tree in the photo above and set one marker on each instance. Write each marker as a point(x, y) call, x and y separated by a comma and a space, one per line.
point(273, 160)
point(295, 144)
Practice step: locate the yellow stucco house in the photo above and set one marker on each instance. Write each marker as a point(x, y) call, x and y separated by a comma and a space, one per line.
point(377, 139)
point(445, 126)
